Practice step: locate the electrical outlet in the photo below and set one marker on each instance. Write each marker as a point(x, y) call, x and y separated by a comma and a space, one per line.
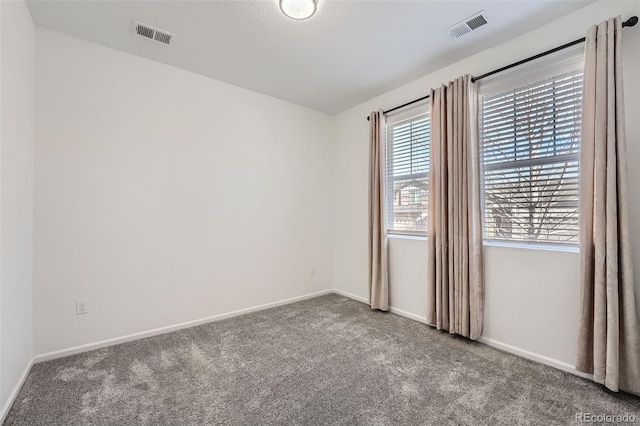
point(81, 307)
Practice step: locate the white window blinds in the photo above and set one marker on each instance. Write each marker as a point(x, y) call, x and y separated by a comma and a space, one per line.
point(530, 136)
point(407, 170)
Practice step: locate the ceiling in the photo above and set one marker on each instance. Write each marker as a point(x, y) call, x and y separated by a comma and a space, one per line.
point(347, 53)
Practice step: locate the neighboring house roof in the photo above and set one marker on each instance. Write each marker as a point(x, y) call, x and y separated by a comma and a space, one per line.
point(422, 185)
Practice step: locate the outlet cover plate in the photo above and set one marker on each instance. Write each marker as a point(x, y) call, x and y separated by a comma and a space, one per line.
point(81, 307)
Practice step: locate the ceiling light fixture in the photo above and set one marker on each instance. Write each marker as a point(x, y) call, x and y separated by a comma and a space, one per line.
point(299, 9)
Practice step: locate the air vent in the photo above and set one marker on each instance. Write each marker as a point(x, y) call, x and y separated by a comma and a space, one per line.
point(466, 26)
point(152, 33)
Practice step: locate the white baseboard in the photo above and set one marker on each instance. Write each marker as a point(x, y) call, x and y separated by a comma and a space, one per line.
point(162, 330)
point(409, 315)
point(393, 310)
point(534, 357)
point(14, 392)
point(489, 342)
point(351, 296)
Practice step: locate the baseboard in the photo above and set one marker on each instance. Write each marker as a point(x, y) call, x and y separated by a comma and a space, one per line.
point(489, 342)
point(351, 296)
point(541, 359)
point(168, 329)
point(409, 315)
point(534, 357)
point(14, 392)
point(393, 310)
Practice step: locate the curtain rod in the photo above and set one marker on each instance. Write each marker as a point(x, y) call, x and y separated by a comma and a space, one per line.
point(631, 22)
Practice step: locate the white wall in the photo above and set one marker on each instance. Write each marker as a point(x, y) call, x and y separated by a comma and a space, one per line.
point(531, 295)
point(16, 193)
point(163, 196)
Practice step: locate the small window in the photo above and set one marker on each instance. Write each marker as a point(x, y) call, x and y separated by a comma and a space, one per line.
point(407, 170)
point(530, 136)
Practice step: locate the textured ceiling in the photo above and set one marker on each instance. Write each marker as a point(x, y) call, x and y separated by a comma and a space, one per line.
point(350, 51)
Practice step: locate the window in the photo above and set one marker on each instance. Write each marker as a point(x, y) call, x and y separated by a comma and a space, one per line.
point(530, 136)
point(407, 170)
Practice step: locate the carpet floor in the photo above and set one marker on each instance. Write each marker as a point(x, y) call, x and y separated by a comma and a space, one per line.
point(323, 361)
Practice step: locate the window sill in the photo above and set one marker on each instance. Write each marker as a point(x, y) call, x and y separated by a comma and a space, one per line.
point(407, 237)
point(532, 246)
point(512, 245)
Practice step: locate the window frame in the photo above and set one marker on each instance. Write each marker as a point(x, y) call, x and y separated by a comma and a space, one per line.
point(415, 112)
point(536, 73)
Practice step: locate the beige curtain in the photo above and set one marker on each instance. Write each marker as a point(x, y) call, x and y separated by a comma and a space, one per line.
point(455, 271)
point(609, 342)
point(378, 272)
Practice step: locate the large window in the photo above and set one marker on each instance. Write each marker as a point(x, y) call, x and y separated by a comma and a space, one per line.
point(407, 170)
point(530, 136)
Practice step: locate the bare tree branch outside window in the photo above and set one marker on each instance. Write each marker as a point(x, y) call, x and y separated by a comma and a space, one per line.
point(531, 142)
